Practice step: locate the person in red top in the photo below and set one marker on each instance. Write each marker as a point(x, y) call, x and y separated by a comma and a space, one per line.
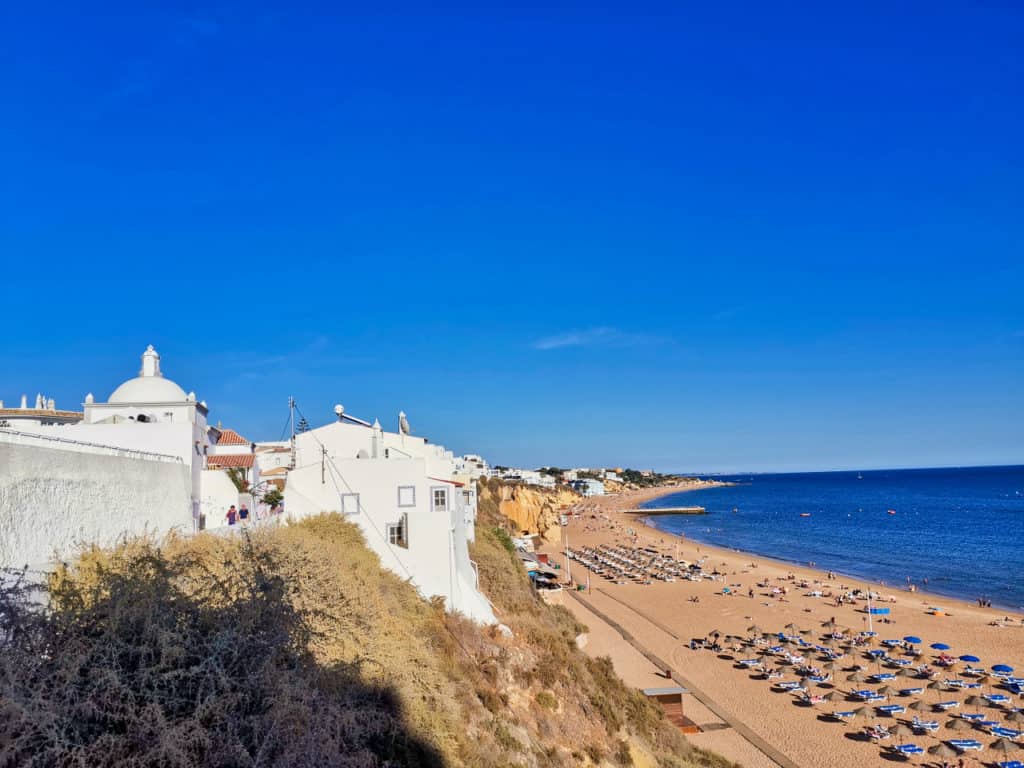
point(232, 515)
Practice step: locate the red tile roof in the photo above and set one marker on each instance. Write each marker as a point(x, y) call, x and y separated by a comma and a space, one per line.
point(230, 437)
point(242, 460)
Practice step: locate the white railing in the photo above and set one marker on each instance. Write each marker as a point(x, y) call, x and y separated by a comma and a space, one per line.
point(15, 437)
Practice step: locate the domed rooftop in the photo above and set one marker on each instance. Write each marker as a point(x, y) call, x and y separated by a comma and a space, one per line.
point(149, 386)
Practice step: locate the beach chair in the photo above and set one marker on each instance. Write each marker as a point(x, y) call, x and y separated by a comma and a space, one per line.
point(945, 705)
point(996, 698)
point(1011, 764)
point(953, 683)
point(975, 671)
point(972, 716)
point(966, 745)
point(1006, 733)
point(892, 709)
point(790, 685)
point(750, 663)
point(877, 732)
point(925, 725)
point(911, 691)
point(842, 716)
point(907, 749)
point(875, 698)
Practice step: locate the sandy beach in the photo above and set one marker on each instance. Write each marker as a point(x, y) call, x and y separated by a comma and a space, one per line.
point(663, 617)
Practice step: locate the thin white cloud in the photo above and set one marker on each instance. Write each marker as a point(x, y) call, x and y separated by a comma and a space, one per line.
point(593, 337)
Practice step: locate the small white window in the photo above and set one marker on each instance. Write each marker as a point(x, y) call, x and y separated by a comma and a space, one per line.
point(439, 497)
point(398, 533)
point(350, 503)
point(407, 495)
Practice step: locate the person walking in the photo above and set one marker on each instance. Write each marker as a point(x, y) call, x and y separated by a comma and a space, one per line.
point(243, 514)
point(232, 515)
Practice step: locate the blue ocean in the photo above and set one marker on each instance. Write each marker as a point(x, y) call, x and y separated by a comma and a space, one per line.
point(960, 529)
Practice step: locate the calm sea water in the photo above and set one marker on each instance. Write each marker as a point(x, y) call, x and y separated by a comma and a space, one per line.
point(962, 529)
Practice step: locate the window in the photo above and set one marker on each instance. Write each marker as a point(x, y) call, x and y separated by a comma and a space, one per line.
point(439, 496)
point(350, 503)
point(398, 533)
point(407, 495)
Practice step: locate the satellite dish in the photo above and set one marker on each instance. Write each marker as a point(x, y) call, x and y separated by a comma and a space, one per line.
point(339, 411)
point(403, 423)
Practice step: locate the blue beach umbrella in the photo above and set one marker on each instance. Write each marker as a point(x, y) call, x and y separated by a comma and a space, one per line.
point(940, 646)
point(970, 659)
point(1002, 668)
point(911, 639)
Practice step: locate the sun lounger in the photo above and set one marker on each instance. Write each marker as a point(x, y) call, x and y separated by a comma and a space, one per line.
point(1007, 733)
point(944, 705)
point(892, 709)
point(908, 749)
point(843, 716)
point(883, 676)
point(750, 663)
point(976, 671)
point(972, 716)
point(875, 698)
point(988, 723)
point(863, 693)
point(878, 733)
point(953, 683)
point(791, 685)
point(1011, 764)
point(911, 691)
point(819, 679)
point(876, 652)
point(965, 744)
point(925, 725)
point(996, 698)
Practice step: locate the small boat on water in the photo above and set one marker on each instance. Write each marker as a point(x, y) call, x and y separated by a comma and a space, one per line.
point(892, 511)
point(805, 514)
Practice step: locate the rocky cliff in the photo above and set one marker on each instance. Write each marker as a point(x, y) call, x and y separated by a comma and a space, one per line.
point(533, 511)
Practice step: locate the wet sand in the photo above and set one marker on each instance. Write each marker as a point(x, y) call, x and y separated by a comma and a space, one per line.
point(662, 617)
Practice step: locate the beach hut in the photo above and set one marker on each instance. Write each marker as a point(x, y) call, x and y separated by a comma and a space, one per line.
point(671, 702)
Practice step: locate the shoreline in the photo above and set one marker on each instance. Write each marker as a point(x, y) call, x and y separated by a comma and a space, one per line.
point(751, 589)
point(876, 582)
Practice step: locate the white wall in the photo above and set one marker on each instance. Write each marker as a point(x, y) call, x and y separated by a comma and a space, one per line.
point(437, 559)
point(218, 493)
point(54, 498)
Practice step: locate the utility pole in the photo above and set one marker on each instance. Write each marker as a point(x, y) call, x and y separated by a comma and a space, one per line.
point(568, 565)
point(291, 423)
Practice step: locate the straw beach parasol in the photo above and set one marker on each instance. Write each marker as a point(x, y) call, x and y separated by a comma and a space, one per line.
point(1004, 745)
point(901, 730)
point(917, 705)
point(974, 701)
point(856, 677)
point(959, 724)
point(942, 750)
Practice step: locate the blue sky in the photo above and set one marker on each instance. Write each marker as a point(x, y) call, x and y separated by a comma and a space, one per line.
point(694, 237)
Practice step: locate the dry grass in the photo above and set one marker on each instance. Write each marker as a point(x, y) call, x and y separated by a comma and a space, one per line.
point(293, 647)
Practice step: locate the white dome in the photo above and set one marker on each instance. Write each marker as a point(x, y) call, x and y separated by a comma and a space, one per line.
point(148, 389)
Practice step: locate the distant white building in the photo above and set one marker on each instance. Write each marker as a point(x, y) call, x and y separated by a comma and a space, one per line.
point(588, 487)
point(527, 477)
point(472, 467)
point(43, 414)
point(402, 492)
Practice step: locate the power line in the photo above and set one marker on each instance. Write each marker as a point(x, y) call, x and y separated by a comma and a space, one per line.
point(383, 538)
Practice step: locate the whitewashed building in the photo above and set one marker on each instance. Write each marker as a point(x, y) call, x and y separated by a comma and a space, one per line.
point(403, 493)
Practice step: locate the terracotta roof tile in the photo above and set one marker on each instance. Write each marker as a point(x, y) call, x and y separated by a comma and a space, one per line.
point(230, 437)
point(243, 460)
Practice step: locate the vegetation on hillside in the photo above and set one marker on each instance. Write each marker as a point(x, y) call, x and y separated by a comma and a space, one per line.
point(292, 647)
